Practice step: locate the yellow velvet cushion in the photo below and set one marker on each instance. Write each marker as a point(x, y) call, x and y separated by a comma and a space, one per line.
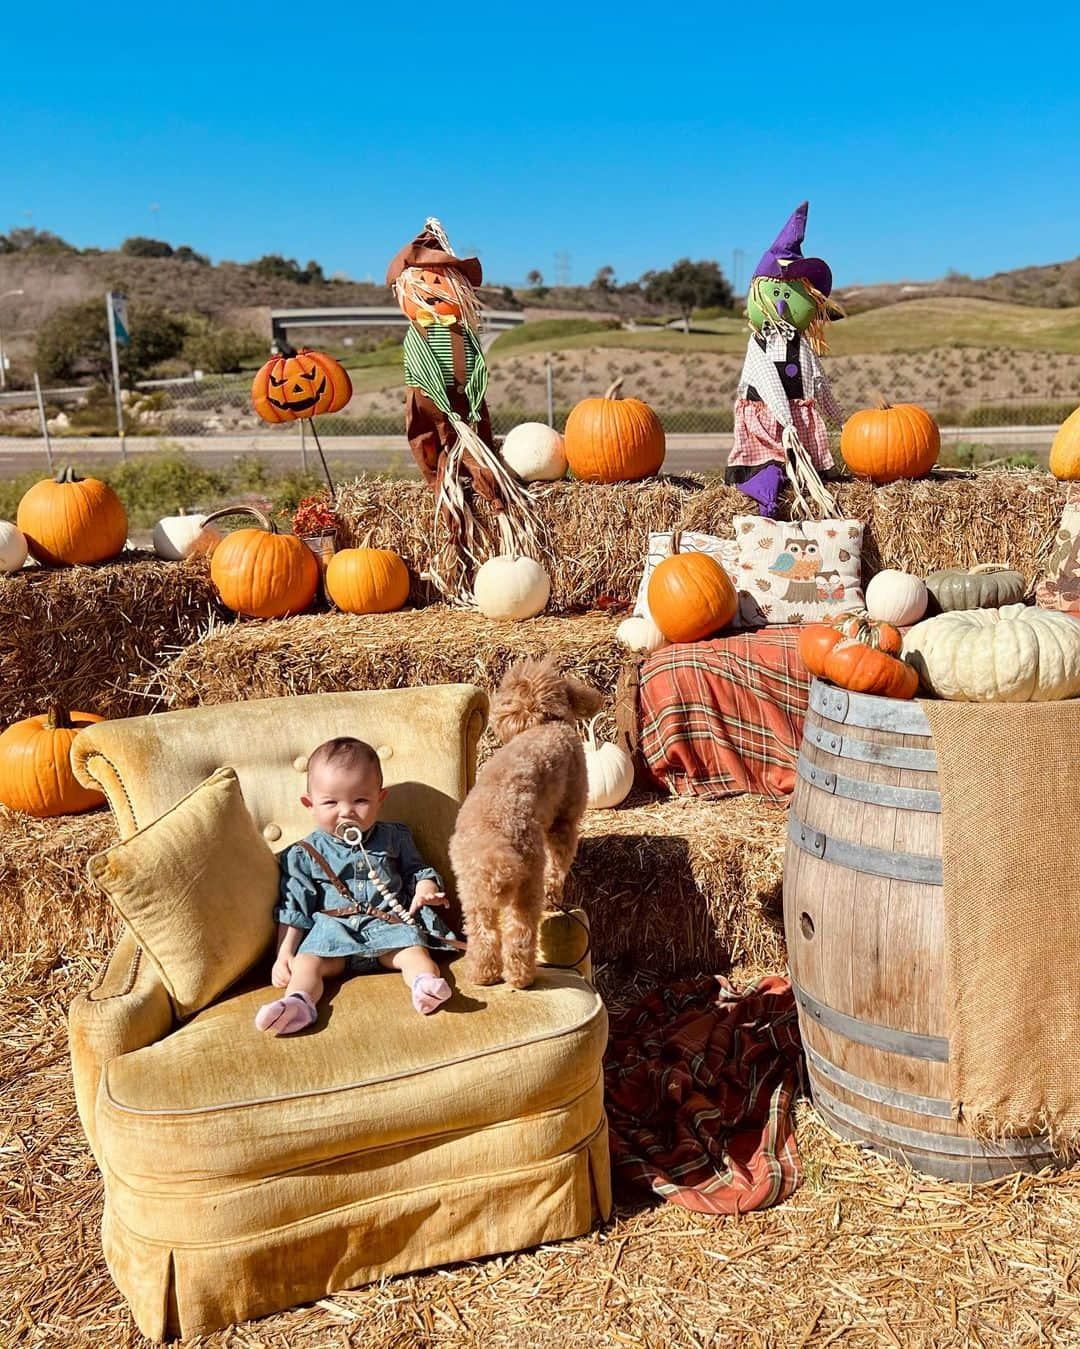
point(197, 889)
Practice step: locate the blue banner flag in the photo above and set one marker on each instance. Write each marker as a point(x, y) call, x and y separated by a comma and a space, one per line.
point(118, 309)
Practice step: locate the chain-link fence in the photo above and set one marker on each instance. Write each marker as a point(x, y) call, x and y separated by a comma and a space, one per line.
point(693, 392)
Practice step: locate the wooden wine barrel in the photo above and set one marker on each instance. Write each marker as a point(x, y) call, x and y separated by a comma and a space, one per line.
point(865, 933)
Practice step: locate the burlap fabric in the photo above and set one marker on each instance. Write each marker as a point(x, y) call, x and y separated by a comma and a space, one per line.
point(1010, 790)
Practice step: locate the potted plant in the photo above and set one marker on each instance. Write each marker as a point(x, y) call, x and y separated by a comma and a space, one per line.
point(314, 521)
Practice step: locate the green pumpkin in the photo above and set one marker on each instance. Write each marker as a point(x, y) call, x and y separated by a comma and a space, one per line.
point(780, 301)
point(987, 587)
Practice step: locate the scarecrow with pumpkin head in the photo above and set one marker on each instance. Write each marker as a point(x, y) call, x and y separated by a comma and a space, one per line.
point(779, 430)
point(446, 415)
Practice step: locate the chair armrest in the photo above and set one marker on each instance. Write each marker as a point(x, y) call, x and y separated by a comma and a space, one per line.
point(127, 1009)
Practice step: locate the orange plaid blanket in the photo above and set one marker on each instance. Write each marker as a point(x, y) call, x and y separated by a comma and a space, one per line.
point(725, 716)
point(699, 1083)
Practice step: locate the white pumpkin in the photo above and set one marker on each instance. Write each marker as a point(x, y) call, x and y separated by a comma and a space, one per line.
point(12, 547)
point(640, 633)
point(535, 452)
point(896, 597)
point(174, 535)
point(511, 587)
point(1014, 654)
point(610, 771)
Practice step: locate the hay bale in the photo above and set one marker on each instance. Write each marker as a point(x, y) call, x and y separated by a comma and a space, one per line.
point(46, 896)
point(668, 883)
point(598, 531)
point(683, 883)
point(87, 637)
point(325, 653)
point(953, 520)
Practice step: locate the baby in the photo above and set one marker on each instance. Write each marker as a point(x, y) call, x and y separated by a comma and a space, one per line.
point(378, 865)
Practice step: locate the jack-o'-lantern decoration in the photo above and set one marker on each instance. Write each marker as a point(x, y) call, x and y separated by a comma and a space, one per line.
point(428, 296)
point(300, 384)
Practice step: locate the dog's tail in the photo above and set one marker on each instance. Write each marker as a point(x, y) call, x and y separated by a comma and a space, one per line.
point(533, 691)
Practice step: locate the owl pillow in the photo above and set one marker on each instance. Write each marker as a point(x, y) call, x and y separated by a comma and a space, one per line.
point(798, 572)
point(1061, 588)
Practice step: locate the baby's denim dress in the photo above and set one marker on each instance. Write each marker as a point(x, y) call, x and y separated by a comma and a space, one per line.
point(360, 938)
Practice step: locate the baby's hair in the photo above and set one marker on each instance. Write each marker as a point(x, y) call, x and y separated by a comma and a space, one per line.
point(347, 751)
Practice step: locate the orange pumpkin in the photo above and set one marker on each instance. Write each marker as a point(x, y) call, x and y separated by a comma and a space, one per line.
point(890, 442)
point(261, 573)
point(856, 666)
point(35, 765)
point(68, 519)
point(613, 439)
point(816, 640)
point(289, 388)
point(423, 289)
point(367, 580)
point(690, 595)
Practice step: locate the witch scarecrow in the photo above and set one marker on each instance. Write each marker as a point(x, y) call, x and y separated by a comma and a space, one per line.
point(779, 431)
point(446, 415)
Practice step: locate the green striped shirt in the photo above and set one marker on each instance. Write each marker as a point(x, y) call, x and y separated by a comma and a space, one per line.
point(429, 366)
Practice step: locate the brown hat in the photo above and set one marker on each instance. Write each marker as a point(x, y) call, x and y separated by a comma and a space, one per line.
point(427, 250)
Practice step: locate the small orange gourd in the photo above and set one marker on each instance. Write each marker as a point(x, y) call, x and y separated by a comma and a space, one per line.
point(816, 640)
point(613, 439)
point(367, 580)
point(854, 665)
point(690, 595)
point(68, 520)
point(261, 573)
point(35, 765)
point(890, 441)
point(290, 388)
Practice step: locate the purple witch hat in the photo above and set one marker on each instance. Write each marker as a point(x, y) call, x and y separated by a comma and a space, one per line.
point(784, 259)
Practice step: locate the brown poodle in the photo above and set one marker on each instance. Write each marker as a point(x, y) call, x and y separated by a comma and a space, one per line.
point(517, 832)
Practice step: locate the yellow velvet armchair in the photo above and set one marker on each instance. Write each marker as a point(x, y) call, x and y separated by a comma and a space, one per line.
point(245, 1174)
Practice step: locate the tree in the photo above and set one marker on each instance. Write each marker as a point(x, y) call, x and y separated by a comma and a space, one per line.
point(535, 278)
point(138, 246)
point(30, 240)
point(185, 253)
point(74, 341)
point(688, 286)
point(210, 347)
point(603, 280)
point(277, 268)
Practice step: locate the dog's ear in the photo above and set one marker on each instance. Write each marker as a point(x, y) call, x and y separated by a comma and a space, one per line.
point(583, 699)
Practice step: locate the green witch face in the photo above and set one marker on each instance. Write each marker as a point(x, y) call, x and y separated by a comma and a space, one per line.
point(780, 301)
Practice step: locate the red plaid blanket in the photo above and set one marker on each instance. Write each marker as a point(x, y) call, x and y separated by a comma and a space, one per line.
point(725, 716)
point(699, 1085)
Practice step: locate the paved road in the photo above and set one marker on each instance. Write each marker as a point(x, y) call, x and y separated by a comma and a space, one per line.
point(685, 453)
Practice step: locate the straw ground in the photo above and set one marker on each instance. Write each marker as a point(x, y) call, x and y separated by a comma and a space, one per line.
point(864, 1254)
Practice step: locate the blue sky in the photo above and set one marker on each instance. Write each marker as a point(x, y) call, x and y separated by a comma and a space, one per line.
point(926, 137)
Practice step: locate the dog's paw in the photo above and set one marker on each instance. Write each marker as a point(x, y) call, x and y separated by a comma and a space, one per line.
point(482, 972)
point(517, 977)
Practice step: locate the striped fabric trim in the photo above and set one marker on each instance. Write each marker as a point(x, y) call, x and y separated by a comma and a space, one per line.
point(424, 356)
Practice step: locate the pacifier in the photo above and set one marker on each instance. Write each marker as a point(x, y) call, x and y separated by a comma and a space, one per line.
point(349, 833)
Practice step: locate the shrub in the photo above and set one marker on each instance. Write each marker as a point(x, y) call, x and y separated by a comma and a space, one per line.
point(220, 350)
point(74, 341)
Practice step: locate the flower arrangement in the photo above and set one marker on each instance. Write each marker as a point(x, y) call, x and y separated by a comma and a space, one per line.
point(314, 515)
